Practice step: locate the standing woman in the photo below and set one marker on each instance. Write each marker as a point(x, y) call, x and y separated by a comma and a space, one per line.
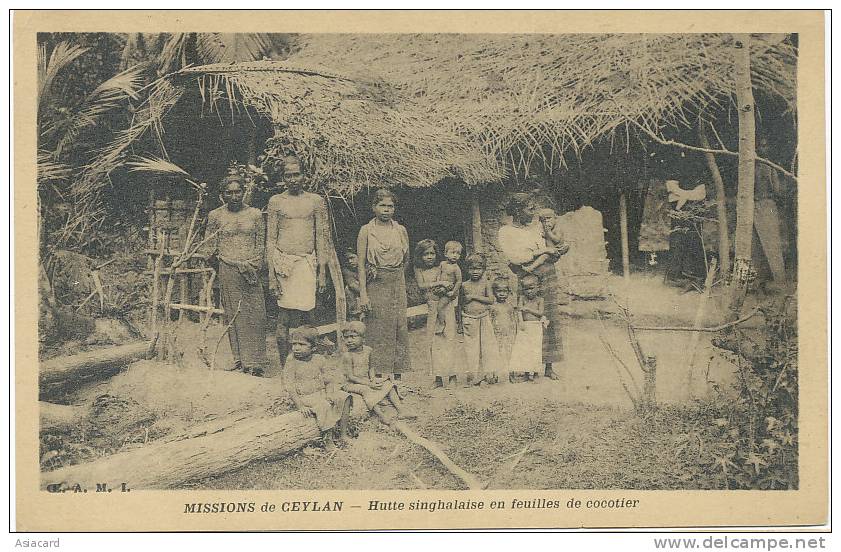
point(383, 254)
point(527, 253)
point(237, 239)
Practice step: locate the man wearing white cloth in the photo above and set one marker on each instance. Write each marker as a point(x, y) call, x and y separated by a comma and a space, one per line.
point(296, 252)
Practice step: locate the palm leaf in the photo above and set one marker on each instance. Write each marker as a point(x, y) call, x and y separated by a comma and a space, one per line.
point(62, 55)
point(109, 95)
point(49, 169)
point(232, 47)
point(156, 165)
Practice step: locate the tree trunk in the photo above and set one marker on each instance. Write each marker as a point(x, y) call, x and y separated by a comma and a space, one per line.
point(476, 224)
point(700, 313)
point(208, 450)
point(90, 362)
point(623, 230)
point(720, 205)
point(747, 159)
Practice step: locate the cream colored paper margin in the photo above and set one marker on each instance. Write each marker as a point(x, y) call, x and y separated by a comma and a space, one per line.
point(163, 510)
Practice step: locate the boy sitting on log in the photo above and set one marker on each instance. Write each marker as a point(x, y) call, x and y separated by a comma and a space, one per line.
point(314, 388)
point(355, 363)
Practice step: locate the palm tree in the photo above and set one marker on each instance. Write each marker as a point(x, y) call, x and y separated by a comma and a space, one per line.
point(69, 134)
point(174, 51)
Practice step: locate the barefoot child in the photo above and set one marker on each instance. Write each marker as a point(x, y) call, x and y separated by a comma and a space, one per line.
point(480, 344)
point(430, 279)
point(526, 355)
point(313, 387)
point(361, 380)
point(503, 319)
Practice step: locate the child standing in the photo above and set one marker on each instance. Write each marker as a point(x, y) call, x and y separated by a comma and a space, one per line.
point(480, 344)
point(526, 355)
point(503, 319)
point(313, 387)
point(350, 274)
point(431, 281)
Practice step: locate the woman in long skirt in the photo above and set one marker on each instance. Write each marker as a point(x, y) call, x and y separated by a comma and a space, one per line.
point(527, 252)
point(383, 252)
point(237, 239)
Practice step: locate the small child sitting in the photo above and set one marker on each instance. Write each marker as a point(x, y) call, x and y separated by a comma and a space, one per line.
point(313, 387)
point(480, 345)
point(360, 380)
point(527, 352)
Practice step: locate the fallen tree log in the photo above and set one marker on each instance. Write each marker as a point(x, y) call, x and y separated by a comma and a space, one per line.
point(58, 416)
point(88, 363)
point(210, 449)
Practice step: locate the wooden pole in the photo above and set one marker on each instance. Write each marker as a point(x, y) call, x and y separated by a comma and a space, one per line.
point(747, 160)
point(699, 320)
point(469, 480)
point(335, 269)
point(623, 228)
point(720, 204)
point(476, 225)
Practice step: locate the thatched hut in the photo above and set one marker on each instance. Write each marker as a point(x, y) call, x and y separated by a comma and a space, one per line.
point(447, 115)
point(582, 114)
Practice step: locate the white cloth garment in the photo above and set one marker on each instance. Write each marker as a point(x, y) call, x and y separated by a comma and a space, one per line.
point(296, 277)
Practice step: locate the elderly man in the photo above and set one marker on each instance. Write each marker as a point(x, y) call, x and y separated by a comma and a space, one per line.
point(296, 250)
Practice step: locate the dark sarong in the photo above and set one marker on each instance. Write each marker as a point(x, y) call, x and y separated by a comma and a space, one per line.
point(388, 332)
point(553, 297)
point(248, 332)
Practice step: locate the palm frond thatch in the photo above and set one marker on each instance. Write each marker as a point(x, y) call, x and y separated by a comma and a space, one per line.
point(354, 132)
point(513, 94)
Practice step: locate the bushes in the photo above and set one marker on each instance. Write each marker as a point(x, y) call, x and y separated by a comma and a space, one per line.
point(747, 437)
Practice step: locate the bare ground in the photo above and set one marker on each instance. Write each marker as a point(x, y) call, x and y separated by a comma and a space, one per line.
point(580, 432)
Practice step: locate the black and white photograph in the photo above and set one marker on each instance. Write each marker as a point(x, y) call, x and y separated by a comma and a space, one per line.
point(418, 262)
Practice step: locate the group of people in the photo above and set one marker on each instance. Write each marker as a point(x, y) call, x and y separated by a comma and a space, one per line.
point(500, 338)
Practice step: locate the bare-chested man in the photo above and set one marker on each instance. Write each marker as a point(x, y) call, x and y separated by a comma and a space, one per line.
point(296, 250)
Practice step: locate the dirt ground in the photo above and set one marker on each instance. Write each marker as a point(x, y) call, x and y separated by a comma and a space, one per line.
point(579, 432)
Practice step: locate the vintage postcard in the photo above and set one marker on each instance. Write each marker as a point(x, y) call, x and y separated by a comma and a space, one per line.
point(395, 270)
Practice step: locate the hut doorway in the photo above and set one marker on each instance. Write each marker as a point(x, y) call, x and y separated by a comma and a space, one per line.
point(440, 213)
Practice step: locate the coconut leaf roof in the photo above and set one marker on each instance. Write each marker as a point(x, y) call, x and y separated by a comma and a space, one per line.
point(415, 109)
point(355, 133)
point(521, 97)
